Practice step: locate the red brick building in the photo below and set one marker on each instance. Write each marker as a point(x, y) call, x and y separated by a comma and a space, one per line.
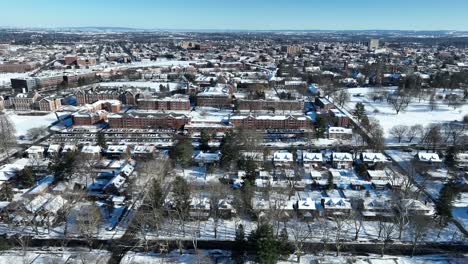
point(271, 121)
point(177, 102)
point(50, 104)
point(88, 118)
point(143, 120)
point(255, 105)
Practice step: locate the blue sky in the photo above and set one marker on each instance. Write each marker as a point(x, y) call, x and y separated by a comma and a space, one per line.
point(239, 14)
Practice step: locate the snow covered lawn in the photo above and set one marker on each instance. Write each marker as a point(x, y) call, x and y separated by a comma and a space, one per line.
point(25, 122)
point(418, 112)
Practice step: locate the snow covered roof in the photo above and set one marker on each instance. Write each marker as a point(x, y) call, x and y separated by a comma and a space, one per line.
point(91, 149)
point(377, 174)
point(373, 157)
point(8, 171)
point(429, 157)
point(342, 156)
point(54, 148)
point(282, 157)
point(116, 148)
point(207, 157)
point(312, 157)
point(340, 130)
point(35, 149)
point(143, 149)
point(339, 203)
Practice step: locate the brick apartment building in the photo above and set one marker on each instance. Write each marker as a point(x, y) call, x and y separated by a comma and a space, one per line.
point(177, 102)
point(18, 67)
point(88, 118)
point(144, 120)
point(255, 105)
point(50, 104)
point(271, 121)
point(90, 96)
point(24, 101)
point(222, 101)
point(113, 106)
point(339, 118)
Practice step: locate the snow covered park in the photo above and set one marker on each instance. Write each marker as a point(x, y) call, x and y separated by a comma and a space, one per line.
point(25, 122)
point(418, 111)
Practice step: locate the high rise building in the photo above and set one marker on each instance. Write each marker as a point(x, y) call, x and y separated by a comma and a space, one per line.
point(373, 44)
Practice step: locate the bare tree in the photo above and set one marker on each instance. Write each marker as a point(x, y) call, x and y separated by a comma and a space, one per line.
point(414, 131)
point(388, 230)
point(7, 132)
point(342, 97)
point(88, 221)
point(433, 102)
point(377, 141)
point(400, 102)
point(300, 233)
point(432, 136)
point(35, 132)
point(398, 131)
point(339, 232)
point(419, 225)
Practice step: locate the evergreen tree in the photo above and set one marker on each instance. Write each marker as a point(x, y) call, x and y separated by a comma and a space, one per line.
point(330, 181)
point(101, 140)
point(285, 245)
point(204, 140)
point(359, 111)
point(183, 151)
point(239, 241)
point(230, 150)
point(7, 192)
point(444, 203)
point(26, 177)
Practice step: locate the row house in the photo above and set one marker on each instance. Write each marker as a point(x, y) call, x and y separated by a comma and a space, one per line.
point(50, 104)
point(89, 118)
point(24, 101)
point(144, 120)
point(341, 160)
point(340, 133)
point(255, 105)
point(271, 121)
point(179, 102)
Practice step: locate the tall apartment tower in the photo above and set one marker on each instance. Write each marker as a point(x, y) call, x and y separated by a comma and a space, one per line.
point(373, 44)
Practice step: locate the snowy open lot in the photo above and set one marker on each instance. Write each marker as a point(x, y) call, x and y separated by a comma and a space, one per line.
point(5, 78)
point(25, 122)
point(418, 112)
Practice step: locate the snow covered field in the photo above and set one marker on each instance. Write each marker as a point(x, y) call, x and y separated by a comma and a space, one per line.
point(5, 78)
point(221, 256)
point(25, 122)
point(418, 112)
point(153, 86)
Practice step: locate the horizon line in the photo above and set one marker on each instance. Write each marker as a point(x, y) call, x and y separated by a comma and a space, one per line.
point(226, 29)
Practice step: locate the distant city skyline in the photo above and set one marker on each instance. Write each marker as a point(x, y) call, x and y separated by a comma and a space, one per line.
point(240, 14)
